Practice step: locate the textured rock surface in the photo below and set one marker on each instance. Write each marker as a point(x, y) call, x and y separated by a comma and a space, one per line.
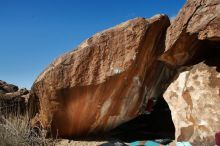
point(194, 101)
point(194, 36)
point(12, 99)
point(104, 82)
point(195, 27)
point(7, 88)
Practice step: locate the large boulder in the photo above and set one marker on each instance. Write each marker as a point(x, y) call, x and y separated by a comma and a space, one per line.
point(194, 99)
point(106, 81)
point(194, 34)
point(193, 37)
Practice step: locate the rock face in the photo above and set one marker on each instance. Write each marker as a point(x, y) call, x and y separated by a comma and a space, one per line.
point(193, 33)
point(193, 37)
point(12, 99)
point(115, 75)
point(194, 101)
point(106, 81)
point(7, 88)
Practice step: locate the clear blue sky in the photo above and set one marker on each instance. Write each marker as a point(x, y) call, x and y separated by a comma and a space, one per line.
point(34, 32)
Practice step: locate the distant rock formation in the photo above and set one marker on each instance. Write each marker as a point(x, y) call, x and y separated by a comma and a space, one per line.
point(7, 88)
point(12, 99)
point(105, 81)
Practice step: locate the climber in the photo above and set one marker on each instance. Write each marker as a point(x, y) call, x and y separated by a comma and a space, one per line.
point(217, 139)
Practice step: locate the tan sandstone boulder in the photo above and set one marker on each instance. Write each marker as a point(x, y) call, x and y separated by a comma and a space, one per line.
point(194, 99)
point(193, 33)
point(105, 81)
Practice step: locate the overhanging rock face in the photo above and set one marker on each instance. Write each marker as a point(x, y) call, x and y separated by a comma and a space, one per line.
point(105, 81)
point(192, 33)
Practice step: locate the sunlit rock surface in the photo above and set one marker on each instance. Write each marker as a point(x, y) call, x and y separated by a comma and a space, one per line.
point(107, 80)
point(194, 99)
point(193, 33)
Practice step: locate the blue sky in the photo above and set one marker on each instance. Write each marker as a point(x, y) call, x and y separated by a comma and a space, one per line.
point(34, 32)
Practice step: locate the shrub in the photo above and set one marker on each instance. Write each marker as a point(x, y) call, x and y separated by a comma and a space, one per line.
point(16, 130)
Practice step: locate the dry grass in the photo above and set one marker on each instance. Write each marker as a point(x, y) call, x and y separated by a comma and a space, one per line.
point(1, 95)
point(16, 130)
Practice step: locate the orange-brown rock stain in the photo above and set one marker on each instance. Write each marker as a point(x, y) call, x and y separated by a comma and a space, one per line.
point(108, 84)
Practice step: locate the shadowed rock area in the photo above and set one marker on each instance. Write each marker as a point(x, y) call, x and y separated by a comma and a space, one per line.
point(156, 125)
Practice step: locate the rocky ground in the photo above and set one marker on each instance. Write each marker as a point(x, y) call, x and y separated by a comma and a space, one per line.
point(88, 143)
